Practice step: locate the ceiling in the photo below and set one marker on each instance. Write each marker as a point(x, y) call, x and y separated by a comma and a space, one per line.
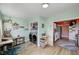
point(25, 10)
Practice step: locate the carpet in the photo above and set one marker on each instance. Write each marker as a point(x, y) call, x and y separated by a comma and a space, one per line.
point(12, 51)
point(68, 45)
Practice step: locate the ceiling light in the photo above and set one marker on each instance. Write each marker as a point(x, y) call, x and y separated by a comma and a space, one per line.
point(45, 5)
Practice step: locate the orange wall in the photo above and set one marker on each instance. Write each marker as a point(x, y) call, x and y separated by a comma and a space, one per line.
point(63, 23)
point(77, 21)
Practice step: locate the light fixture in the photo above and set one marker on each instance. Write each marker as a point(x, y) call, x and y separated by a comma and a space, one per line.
point(45, 5)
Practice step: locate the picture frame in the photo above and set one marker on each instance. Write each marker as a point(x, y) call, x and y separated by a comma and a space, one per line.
point(42, 25)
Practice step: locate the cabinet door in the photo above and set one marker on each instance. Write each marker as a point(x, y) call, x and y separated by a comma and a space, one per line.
point(72, 34)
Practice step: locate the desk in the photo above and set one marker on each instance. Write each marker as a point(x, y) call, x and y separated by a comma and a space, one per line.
point(6, 41)
point(5, 44)
point(19, 40)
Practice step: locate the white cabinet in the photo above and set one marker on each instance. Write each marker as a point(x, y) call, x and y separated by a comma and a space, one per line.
point(72, 36)
point(57, 36)
point(72, 33)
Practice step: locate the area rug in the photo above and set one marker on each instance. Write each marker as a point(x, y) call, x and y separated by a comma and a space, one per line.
point(14, 51)
point(69, 45)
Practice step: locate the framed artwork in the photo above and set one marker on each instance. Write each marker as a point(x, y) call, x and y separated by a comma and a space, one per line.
point(21, 26)
point(16, 26)
point(42, 25)
point(34, 26)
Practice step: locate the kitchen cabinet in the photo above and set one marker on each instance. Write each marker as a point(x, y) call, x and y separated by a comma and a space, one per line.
point(72, 33)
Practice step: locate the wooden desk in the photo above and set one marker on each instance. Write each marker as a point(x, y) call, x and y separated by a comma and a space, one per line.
point(5, 44)
point(6, 41)
point(19, 40)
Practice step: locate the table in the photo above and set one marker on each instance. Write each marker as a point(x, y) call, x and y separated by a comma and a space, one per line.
point(19, 40)
point(6, 44)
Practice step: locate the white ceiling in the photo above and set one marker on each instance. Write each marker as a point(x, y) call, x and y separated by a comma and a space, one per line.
point(25, 10)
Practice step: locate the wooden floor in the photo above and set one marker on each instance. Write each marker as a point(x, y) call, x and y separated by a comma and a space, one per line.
point(32, 49)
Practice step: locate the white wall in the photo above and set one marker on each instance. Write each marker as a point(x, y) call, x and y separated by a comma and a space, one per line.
point(1, 32)
point(50, 33)
point(0, 29)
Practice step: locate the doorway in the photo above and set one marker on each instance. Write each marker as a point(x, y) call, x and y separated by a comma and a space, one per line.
point(64, 32)
point(62, 35)
point(61, 31)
